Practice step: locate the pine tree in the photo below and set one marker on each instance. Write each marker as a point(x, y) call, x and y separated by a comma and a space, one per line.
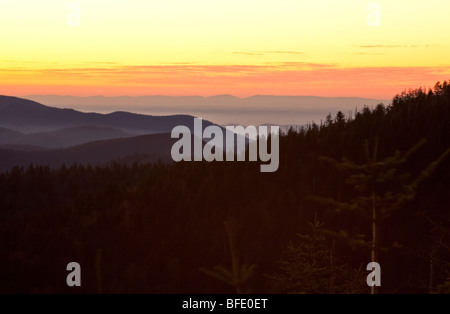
point(375, 200)
point(238, 275)
point(309, 265)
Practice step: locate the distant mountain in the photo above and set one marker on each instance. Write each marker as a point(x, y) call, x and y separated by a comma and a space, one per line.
point(222, 109)
point(65, 137)
point(147, 147)
point(22, 148)
point(29, 117)
point(7, 135)
point(211, 102)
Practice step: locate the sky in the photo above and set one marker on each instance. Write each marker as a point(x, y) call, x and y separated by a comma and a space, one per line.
point(326, 48)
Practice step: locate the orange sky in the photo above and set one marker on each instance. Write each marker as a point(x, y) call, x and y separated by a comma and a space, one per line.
point(243, 48)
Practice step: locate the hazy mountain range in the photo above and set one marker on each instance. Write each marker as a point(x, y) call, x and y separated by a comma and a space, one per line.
point(33, 133)
point(60, 138)
point(222, 109)
point(29, 117)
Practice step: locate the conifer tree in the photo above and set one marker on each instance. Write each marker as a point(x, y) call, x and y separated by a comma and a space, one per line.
point(374, 182)
point(238, 274)
point(309, 265)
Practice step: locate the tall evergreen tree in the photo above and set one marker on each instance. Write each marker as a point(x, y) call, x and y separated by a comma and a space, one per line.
point(374, 182)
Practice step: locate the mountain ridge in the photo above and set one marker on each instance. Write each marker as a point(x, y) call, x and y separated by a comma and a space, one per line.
point(153, 146)
point(65, 137)
point(28, 116)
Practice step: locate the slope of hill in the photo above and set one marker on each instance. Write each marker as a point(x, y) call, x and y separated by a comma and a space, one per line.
point(7, 135)
point(150, 147)
point(65, 137)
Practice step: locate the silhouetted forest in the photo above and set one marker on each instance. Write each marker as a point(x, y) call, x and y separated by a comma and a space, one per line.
point(225, 227)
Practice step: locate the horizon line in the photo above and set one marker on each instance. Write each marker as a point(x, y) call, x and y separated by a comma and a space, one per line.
point(196, 95)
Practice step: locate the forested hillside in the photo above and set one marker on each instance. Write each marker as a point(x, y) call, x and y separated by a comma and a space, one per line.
point(160, 228)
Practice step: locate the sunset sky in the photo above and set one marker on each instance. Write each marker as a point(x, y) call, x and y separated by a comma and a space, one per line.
point(210, 47)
